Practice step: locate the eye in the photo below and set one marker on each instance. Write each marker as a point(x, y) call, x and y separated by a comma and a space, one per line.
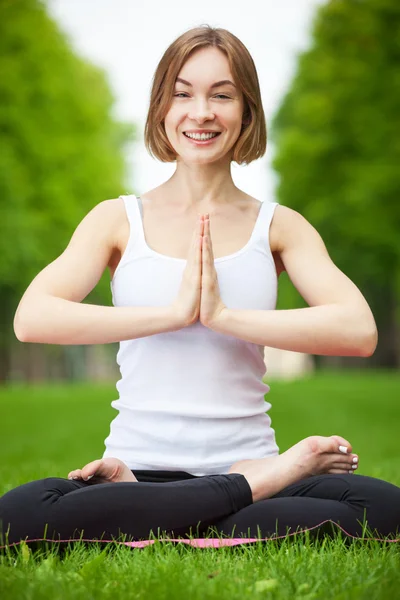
point(184, 95)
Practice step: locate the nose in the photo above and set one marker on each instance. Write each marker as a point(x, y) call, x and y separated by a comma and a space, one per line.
point(201, 112)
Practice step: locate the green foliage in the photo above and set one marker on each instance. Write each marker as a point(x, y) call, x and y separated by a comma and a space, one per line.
point(62, 150)
point(338, 143)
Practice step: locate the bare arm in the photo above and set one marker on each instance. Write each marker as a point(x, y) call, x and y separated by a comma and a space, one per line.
point(339, 321)
point(50, 311)
point(329, 330)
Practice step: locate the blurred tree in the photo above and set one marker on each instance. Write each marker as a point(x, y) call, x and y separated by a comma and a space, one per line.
point(61, 151)
point(337, 134)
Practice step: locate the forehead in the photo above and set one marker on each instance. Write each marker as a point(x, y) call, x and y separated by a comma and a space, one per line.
point(206, 66)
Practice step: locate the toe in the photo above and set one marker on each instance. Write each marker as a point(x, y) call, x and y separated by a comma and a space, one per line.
point(343, 466)
point(340, 441)
point(328, 445)
point(340, 472)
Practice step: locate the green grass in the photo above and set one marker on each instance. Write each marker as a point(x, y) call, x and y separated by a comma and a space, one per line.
point(47, 431)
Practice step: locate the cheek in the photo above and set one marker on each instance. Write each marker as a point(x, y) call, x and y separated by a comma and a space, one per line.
point(232, 117)
point(173, 117)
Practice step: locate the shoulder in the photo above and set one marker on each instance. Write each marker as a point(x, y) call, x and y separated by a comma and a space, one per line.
point(109, 216)
point(289, 227)
point(112, 208)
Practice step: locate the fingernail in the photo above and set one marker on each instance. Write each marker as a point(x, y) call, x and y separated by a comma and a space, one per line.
point(355, 459)
point(87, 478)
point(343, 449)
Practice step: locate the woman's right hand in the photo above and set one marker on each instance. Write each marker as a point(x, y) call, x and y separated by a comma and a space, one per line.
point(104, 470)
point(186, 306)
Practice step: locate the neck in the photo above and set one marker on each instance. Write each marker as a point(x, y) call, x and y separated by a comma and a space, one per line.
point(201, 187)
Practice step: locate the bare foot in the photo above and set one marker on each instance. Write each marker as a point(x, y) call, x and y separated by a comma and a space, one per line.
point(104, 470)
point(314, 455)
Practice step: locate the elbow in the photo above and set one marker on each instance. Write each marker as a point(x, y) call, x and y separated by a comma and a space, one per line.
point(20, 328)
point(19, 332)
point(369, 345)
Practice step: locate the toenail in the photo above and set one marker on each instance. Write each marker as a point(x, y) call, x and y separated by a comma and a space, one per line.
point(343, 449)
point(355, 459)
point(351, 472)
point(354, 466)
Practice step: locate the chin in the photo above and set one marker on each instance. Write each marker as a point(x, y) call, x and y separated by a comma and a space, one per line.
point(203, 159)
point(200, 161)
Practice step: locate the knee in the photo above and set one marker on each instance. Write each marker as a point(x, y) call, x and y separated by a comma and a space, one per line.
point(25, 510)
point(377, 493)
point(381, 500)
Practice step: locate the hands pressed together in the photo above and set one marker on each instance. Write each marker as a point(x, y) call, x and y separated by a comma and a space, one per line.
point(199, 296)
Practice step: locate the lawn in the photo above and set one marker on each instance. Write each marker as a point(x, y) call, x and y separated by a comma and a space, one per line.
point(49, 430)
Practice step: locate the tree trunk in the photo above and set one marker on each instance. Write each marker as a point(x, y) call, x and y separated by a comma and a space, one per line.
point(8, 305)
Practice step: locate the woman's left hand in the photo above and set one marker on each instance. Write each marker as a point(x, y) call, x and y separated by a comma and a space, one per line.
point(211, 305)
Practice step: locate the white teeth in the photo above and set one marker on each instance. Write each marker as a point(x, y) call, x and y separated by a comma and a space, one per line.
point(201, 136)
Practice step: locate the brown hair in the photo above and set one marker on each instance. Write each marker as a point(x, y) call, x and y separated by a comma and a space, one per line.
point(252, 141)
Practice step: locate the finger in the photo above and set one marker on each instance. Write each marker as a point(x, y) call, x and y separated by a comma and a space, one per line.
point(204, 248)
point(193, 256)
point(198, 241)
point(197, 232)
point(206, 259)
point(198, 246)
point(76, 474)
point(206, 230)
point(209, 243)
point(91, 469)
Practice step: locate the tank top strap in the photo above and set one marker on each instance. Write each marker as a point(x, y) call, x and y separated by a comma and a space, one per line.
point(134, 213)
point(263, 223)
point(140, 206)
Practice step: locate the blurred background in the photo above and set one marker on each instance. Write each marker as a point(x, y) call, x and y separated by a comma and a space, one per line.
point(75, 79)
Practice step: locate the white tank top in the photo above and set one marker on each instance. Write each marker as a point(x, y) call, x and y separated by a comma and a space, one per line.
point(192, 400)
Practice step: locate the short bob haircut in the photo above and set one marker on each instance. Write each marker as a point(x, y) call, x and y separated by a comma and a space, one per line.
point(252, 141)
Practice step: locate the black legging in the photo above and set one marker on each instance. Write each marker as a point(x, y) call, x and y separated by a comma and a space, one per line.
point(187, 504)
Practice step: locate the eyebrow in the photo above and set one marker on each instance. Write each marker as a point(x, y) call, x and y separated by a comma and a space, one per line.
point(214, 85)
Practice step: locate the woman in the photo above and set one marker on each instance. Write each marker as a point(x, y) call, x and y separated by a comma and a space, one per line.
point(194, 266)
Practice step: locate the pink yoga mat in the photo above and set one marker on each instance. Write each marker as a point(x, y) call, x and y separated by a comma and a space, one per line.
point(205, 542)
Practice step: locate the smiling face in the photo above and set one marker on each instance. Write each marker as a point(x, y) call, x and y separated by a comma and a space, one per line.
point(204, 101)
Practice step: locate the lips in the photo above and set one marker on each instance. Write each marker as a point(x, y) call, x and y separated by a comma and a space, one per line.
point(216, 134)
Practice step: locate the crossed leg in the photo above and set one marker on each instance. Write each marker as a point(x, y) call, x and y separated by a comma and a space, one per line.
point(68, 510)
point(65, 509)
point(347, 500)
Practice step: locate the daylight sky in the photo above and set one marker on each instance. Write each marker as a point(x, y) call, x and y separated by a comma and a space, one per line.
point(128, 38)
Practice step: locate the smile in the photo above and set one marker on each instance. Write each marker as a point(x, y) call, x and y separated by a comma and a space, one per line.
point(201, 139)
